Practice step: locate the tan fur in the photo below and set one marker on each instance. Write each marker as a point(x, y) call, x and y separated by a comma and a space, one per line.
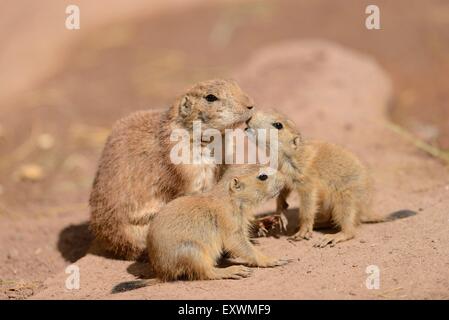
point(332, 184)
point(136, 178)
point(190, 234)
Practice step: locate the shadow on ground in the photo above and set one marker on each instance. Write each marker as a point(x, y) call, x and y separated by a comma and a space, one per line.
point(270, 222)
point(74, 241)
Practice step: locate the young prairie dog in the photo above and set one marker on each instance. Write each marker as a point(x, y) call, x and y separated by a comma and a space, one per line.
point(332, 184)
point(136, 176)
point(190, 233)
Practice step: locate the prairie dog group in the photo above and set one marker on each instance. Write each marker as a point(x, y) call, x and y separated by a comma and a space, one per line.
point(190, 233)
point(136, 178)
point(185, 216)
point(332, 184)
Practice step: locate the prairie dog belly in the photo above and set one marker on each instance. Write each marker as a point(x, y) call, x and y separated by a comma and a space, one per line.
point(202, 176)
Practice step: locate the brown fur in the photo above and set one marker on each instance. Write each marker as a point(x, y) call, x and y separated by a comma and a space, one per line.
point(332, 184)
point(136, 178)
point(190, 234)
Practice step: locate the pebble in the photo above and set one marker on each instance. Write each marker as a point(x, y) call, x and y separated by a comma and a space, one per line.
point(31, 172)
point(45, 141)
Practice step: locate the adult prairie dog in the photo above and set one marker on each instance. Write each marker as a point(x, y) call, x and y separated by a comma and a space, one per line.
point(190, 233)
point(332, 184)
point(136, 176)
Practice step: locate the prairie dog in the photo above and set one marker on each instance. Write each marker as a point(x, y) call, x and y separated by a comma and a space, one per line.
point(332, 184)
point(136, 177)
point(190, 233)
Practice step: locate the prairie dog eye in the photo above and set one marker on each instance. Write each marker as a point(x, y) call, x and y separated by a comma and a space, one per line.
point(278, 125)
point(262, 177)
point(211, 98)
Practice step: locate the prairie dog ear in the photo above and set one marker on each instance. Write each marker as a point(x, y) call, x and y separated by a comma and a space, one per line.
point(235, 185)
point(297, 141)
point(291, 123)
point(185, 106)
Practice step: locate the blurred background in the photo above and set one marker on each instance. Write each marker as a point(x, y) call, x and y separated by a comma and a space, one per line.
point(61, 90)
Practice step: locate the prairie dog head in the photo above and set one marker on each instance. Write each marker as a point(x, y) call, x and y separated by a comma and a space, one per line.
point(289, 138)
point(257, 186)
point(218, 104)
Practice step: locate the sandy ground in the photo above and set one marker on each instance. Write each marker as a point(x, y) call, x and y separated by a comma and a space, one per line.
point(62, 91)
point(24, 24)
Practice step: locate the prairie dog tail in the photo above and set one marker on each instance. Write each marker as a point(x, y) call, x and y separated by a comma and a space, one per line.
point(376, 218)
point(133, 285)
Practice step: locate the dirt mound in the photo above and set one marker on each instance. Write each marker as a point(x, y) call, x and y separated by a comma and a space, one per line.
point(340, 96)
